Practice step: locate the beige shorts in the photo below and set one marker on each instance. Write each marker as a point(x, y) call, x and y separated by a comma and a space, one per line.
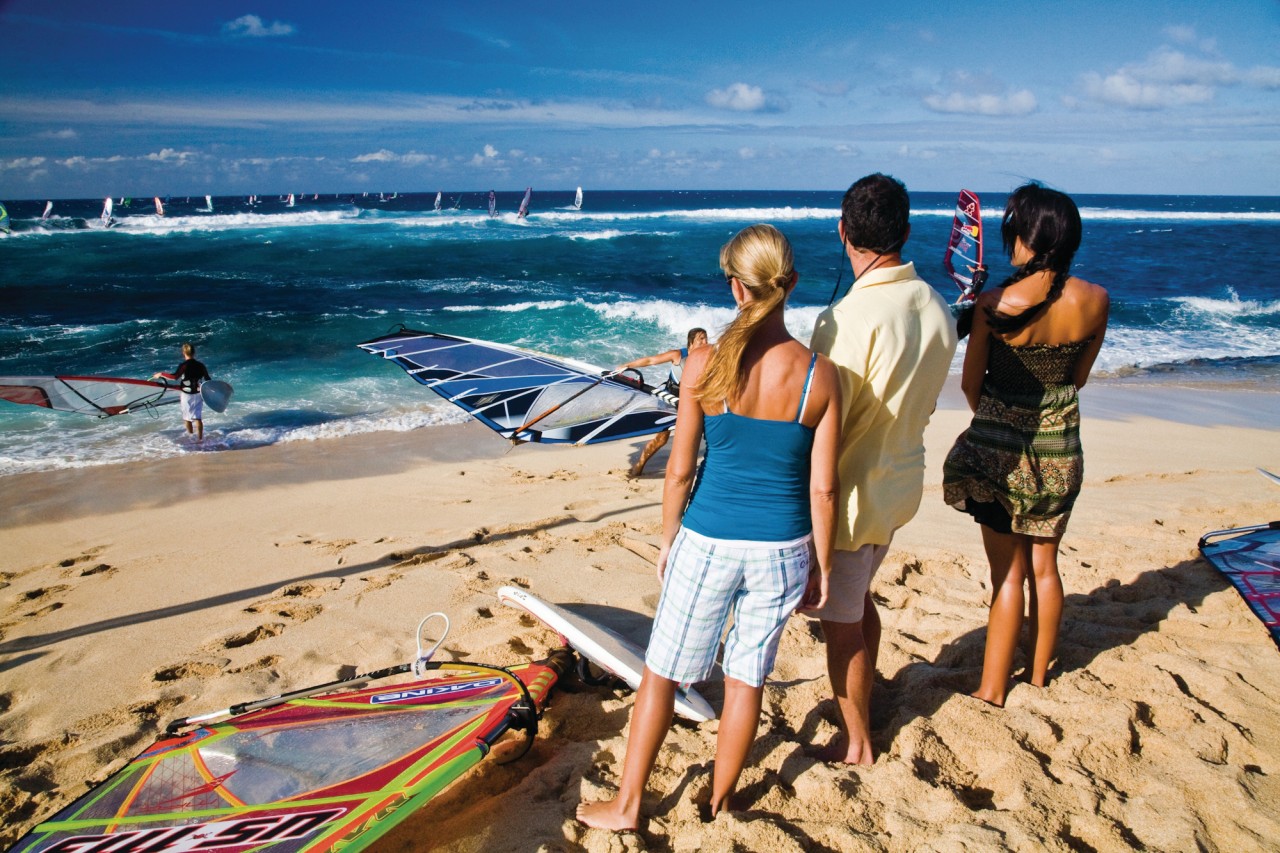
point(851, 574)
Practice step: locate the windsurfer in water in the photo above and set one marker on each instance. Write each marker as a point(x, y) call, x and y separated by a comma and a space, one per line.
point(697, 337)
point(189, 374)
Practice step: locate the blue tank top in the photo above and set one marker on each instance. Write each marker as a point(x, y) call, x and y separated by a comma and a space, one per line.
point(753, 484)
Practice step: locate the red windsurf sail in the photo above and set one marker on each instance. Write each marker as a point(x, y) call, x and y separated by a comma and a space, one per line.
point(307, 771)
point(964, 250)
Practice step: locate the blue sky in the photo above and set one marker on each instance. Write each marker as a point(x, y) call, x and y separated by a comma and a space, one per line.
point(139, 98)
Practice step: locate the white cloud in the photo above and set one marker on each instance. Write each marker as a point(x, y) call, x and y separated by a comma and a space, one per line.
point(66, 133)
point(489, 156)
point(1263, 76)
point(1172, 78)
point(251, 26)
point(747, 153)
point(412, 158)
point(1019, 103)
point(22, 163)
point(169, 155)
point(1122, 89)
point(740, 97)
point(1180, 33)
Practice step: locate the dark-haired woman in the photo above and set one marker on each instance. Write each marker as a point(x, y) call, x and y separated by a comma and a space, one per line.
point(1017, 469)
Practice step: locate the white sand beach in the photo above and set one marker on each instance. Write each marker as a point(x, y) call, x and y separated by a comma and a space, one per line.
point(135, 594)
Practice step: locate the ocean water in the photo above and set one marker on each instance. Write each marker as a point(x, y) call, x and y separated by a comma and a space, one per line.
point(276, 297)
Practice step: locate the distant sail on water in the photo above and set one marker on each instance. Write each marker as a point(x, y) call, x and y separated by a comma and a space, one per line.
point(48, 208)
point(4, 219)
point(289, 203)
point(524, 203)
point(438, 198)
point(159, 207)
point(493, 203)
point(577, 200)
point(208, 204)
point(107, 206)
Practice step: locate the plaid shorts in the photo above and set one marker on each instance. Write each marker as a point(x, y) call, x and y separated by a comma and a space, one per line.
point(708, 580)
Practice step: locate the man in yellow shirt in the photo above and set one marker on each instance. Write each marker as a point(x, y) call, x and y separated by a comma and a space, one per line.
point(892, 339)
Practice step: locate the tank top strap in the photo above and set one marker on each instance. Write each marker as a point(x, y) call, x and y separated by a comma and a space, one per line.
point(808, 381)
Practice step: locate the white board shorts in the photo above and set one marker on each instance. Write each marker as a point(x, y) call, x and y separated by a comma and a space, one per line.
point(192, 406)
point(851, 574)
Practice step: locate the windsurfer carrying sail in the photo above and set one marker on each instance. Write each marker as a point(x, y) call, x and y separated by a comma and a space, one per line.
point(697, 337)
point(189, 374)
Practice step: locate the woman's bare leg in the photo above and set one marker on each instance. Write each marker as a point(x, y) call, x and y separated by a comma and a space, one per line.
point(650, 721)
point(1046, 607)
point(738, 723)
point(1008, 555)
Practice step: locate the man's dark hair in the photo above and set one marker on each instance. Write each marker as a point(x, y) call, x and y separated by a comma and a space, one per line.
point(875, 212)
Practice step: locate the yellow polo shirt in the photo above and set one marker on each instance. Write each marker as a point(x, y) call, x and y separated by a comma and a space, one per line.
point(892, 339)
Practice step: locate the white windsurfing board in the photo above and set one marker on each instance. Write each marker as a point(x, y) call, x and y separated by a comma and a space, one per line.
point(604, 648)
point(216, 395)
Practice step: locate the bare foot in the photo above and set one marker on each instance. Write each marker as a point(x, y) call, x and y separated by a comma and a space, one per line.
point(725, 805)
point(607, 814)
point(842, 751)
point(990, 700)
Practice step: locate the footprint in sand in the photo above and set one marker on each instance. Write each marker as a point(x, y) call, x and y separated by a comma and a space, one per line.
point(284, 603)
point(262, 632)
point(189, 669)
point(264, 662)
point(296, 611)
point(88, 554)
point(100, 569)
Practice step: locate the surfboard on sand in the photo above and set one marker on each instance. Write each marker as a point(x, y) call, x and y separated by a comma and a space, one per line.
point(216, 395)
point(604, 648)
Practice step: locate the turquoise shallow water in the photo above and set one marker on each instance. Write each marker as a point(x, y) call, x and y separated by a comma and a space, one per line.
point(276, 297)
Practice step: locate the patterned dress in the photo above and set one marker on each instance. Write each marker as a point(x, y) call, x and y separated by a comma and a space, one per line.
point(1022, 449)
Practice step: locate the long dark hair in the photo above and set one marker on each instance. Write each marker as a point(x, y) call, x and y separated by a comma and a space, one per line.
point(1048, 222)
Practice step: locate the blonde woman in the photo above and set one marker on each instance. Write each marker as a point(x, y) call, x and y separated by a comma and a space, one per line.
point(770, 411)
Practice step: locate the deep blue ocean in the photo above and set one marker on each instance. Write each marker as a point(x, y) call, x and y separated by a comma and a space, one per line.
point(276, 298)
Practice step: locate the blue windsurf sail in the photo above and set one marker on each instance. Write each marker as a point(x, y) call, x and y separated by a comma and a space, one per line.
point(528, 396)
point(1249, 557)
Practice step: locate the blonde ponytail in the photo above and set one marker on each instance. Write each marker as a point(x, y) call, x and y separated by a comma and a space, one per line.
point(760, 258)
